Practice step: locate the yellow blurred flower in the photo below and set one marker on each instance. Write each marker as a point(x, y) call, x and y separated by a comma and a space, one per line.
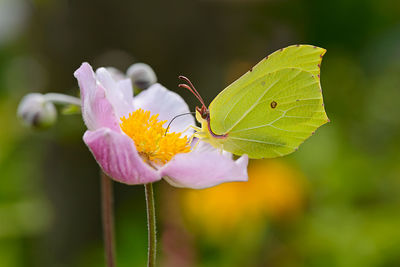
point(275, 190)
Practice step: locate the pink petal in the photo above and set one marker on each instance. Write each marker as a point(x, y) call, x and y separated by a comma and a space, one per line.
point(97, 111)
point(202, 169)
point(159, 100)
point(118, 93)
point(116, 154)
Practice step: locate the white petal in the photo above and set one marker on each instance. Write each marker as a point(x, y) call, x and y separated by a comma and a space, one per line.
point(203, 170)
point(204, 167)
point(159, 100)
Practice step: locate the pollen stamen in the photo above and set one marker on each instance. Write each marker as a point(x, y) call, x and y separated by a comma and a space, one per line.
point(150, 139)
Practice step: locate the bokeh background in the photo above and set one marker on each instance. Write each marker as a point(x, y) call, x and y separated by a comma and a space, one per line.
point(335, 202)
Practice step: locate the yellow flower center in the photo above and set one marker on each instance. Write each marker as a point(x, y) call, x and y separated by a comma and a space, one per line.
point(151, 140)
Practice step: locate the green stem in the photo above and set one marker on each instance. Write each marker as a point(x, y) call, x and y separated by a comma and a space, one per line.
point(62, 99)
point(151, 224)
point(108, 219)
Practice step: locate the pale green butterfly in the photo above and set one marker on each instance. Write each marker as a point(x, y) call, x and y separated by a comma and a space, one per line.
point(271, 109)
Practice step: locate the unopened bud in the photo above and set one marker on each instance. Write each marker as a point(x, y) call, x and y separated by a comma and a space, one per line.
point(142, 75)
point(34, 111)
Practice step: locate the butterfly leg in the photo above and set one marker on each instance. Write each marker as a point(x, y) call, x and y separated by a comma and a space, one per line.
point(191, 138)
point(195, 128)
point(197, 135)
point(196, 145)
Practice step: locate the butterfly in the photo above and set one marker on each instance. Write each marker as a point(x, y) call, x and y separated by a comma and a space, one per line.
point(270, 110)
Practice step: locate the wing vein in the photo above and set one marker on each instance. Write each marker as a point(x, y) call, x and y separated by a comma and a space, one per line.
point(268, 125)
point(290, 87)
point(261, 142)
point(253, 106)
point(234, 105)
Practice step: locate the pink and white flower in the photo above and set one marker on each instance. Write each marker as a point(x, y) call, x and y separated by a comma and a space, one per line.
point(107, 103)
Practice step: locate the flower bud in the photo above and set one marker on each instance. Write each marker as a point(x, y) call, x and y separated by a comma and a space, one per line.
point(34, 111)
point(142, 75)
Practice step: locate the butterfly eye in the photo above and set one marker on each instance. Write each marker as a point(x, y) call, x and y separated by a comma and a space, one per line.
point(204, 112)
point(273, 104)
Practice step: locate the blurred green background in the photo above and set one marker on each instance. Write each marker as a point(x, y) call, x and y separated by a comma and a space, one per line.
point(335, 202)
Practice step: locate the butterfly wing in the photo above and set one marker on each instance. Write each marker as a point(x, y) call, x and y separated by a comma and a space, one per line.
point(273, 108)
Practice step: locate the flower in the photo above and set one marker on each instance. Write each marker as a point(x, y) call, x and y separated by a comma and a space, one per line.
point(38, 111)
point(128, 139)
point(142, 75)
point(35, 111)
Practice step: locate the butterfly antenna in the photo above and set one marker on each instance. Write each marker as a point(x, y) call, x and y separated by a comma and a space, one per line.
point(166, 130)
point(191, 88)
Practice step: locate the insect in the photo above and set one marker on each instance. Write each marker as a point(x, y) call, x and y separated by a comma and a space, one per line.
point(270, 110)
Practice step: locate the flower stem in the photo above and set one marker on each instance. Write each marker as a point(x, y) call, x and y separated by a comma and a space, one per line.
point(151, 225)
point(108, 219)
point(62, 99)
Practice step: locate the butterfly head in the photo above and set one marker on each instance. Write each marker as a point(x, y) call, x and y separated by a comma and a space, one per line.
point(203, 111)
